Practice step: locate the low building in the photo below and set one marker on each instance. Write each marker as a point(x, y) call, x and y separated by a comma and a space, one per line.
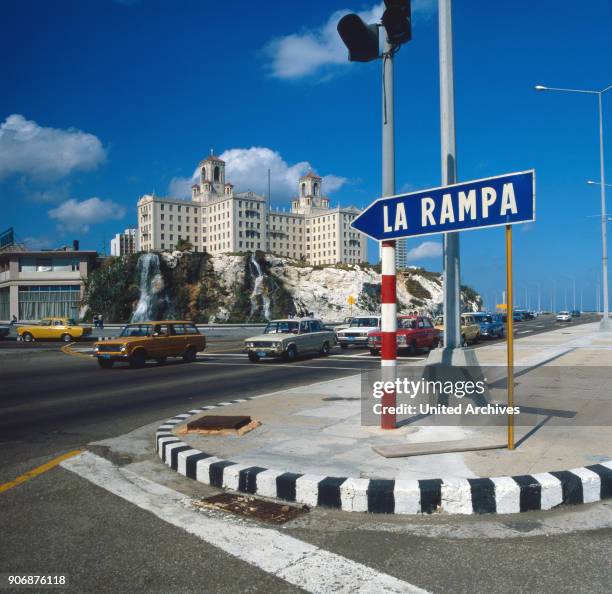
point(124, 243)
point(219, 220)
point(37, 284)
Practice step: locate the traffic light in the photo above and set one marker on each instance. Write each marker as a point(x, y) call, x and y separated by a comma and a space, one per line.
point(396, 21)
point(360, 39)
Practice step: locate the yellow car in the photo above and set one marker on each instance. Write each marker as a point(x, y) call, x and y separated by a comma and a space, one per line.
point(470, 330)
point(151, 340)
point(64, 329)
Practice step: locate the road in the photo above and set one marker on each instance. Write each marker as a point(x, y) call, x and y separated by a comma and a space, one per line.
point(58, 522)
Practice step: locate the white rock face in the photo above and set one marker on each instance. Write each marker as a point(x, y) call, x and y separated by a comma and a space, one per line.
point(324, 292)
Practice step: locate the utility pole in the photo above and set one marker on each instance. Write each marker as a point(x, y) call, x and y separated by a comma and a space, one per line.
point(362, 41)
point(452, 263)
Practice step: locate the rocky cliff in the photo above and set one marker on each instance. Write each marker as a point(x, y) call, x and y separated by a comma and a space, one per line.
point(249, 287)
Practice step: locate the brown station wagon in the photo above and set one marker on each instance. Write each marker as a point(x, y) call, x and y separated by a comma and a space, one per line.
point(142, 341)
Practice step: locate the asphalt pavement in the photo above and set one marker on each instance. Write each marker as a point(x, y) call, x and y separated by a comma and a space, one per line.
point(53, 402)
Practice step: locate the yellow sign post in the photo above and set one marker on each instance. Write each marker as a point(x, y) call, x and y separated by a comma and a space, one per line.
point(510, 335)
point(351, 301)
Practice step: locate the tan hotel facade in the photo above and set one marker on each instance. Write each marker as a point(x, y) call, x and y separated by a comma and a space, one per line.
point(219, 220)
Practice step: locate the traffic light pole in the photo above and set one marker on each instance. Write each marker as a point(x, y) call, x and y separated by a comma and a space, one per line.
point(388, 325)
point(452, 269)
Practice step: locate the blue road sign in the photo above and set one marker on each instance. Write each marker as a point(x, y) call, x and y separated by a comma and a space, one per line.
point(502, 200)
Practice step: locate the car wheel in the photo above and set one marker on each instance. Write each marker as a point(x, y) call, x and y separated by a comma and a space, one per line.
point(138, 358)
point(412, 350)
point(66, 338)
point(324, 349)
point(343, 346)
point(160, 360)
point(435, 344)
point(374, 352)
point(27, 337)
point(253, 357)
point(501, 333)
point(189, 356)
point(105, 363)
point(291, 353)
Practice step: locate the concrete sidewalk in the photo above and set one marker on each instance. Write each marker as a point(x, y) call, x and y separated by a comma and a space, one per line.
point(317, 429)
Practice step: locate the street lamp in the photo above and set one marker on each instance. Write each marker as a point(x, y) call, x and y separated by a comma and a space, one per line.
point(605, 320)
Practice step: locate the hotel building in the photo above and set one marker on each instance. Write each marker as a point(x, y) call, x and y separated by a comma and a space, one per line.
point(219, 220)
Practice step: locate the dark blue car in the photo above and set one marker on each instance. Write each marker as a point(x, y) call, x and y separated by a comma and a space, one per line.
point(491, 325)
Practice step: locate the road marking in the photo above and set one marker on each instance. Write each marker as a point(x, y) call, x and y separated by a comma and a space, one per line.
point(39, 470)
point(274, 366)
point(297, 562)
point(67, 350)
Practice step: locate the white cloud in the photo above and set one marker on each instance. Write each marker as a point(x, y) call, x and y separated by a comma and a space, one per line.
point(73, 215)
point(306, 53)
point(247, 169)
point(49, 153)
point(425, 250)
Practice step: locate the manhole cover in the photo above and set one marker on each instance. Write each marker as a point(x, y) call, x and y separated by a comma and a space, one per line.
point(268, 511)
point(219, 422)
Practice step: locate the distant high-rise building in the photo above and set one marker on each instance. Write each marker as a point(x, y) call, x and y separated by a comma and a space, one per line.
point(219, 220)
point(124, 243)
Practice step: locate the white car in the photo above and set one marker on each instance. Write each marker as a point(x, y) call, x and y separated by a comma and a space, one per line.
point(564, 316)
point(357, 333)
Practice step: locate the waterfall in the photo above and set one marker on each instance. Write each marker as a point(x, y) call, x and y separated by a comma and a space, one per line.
point(258, 290)
point(150, 283)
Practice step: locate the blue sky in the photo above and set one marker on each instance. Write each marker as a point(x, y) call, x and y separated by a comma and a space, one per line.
point(106, 100)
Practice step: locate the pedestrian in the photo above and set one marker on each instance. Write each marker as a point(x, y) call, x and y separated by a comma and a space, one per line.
point(95, 320)
point(101, 322)
point(14, 320)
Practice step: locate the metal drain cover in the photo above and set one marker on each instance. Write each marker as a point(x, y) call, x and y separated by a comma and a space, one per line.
point(219, 422)
point(268, 511)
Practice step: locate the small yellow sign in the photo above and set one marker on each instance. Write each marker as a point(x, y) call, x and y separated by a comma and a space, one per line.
point(351, 300)
point(501, 306)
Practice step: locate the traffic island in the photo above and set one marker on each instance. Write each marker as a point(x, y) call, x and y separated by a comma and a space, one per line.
point(311, 448)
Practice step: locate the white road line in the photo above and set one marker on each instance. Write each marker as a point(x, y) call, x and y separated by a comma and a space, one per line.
point(300, 563)
point(273, 365)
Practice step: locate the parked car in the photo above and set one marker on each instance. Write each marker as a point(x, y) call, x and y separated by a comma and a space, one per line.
point(64, 329)
point(289, 338)
point(470, 330)
point(413, 333)
point(518, 315)
point(575, 313)
point(357, 333)
point(564, 316)
point(142, 341)
point(4, 331)
point(491, 325)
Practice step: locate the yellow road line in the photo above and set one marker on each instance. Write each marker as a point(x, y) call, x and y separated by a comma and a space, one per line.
point(39, 470)
point(68, 351)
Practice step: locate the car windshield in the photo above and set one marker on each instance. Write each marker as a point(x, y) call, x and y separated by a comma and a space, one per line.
point(440, 321)
point(364, 323)
point(137, 330)
point(71, 322)
point(281, 328)
point(564, 313)
point(484, 319)
point(409, 323)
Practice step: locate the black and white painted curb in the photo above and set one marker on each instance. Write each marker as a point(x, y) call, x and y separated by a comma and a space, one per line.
point(502, 495)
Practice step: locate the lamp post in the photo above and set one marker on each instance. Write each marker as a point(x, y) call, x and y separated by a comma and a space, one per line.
point(605, 320)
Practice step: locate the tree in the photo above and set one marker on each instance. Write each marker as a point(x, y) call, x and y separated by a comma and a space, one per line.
point(182, 245)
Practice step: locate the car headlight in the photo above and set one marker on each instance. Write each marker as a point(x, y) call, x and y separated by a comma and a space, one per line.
point(122, 348)
point(401, 339)
point(370, 339)
point(248, 345)
point(96, 348)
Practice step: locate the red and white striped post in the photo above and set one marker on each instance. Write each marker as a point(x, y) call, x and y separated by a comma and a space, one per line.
point(388, 328)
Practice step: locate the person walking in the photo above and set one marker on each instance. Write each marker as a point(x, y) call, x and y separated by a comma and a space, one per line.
point(101, 322)
point(14, 320)
point(95, 320)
